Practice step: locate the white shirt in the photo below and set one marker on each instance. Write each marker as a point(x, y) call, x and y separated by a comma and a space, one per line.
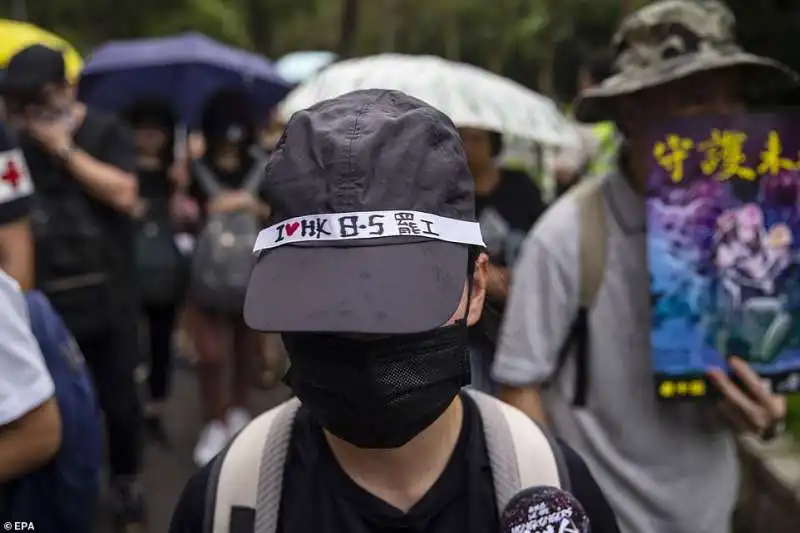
point(25, 382)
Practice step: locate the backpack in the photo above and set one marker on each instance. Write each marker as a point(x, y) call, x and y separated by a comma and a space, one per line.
point(62, 495)
point(590, 198)
point(73, 262)
point(246, 479)
point(223, 256)
point(159, 262)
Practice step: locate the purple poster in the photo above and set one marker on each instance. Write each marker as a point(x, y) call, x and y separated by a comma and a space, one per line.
point(723, 208)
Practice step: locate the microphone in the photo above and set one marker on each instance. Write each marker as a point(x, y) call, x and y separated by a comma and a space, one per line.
point(544, 510)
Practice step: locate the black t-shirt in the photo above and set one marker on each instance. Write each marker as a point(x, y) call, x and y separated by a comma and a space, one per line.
point(107, 139)
point(154, 184)
point(319, 497)
point(15, 181)
point(507, 214)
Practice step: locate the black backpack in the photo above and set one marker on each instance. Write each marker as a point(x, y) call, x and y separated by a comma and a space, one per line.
point(74, 265)
point(159, 262)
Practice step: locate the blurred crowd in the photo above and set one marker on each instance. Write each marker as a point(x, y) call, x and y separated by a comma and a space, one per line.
point(138, 227)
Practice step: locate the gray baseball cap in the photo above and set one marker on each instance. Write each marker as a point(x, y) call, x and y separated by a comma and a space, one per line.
point(373, 214)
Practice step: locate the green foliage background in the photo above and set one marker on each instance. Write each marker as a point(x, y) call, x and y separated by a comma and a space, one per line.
point(537, 42)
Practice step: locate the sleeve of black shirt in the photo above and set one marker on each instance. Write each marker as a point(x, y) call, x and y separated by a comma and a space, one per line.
point(15, 195)
point(190, 511)
point(14, 210)
point(587, 491)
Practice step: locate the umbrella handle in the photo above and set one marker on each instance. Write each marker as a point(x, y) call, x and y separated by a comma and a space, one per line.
point(180, 145)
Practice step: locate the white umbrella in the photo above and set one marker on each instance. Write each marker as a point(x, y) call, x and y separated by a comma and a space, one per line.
point(470, 96)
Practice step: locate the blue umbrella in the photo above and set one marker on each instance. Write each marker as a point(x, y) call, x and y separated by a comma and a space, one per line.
point(184, 70)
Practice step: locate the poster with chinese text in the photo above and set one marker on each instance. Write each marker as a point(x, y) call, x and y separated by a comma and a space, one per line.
point(723, 244)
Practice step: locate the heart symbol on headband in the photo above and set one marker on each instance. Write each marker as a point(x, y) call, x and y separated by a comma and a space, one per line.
point(291, 228)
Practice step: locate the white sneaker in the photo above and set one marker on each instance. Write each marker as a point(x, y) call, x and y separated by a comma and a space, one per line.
point(237, 418)
point(213, 439)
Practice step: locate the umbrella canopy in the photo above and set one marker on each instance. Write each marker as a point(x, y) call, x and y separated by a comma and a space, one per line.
point(16, 36)
point(470, 96)
point(185, 70)
point(297, 67)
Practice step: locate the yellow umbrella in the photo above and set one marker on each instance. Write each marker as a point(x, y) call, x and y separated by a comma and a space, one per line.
point(16, 36)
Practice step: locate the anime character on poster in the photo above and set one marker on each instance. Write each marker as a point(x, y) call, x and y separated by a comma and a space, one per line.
point(751, 263)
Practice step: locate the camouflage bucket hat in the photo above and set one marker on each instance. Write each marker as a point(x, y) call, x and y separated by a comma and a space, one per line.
point(671, 40)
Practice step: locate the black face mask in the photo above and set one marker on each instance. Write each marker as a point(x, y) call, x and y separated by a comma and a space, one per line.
point(379, 393)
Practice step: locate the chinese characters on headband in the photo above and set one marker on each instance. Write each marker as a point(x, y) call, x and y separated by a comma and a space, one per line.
point(406, 225)
point(363, 225)
point(724, 156)
point(356, 226)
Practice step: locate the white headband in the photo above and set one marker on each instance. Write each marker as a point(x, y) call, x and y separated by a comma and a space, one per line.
point(368, 225)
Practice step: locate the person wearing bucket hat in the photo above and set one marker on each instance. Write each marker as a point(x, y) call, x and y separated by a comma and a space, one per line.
point(582, 282)
point(372, 269)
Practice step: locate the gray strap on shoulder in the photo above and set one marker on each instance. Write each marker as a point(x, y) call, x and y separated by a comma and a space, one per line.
point(255, 176)
point(519, 452)
point(207, 180)
point(250, 184)
point(273, 462)
point(211, 491)
point(593, 236)
point(251, 472)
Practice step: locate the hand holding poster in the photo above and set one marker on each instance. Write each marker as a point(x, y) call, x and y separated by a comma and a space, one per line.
point(723, 208)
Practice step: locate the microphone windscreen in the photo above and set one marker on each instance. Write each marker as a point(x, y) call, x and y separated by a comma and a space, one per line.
point(544, 510)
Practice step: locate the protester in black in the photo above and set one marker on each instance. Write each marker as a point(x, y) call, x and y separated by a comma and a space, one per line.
point(82, 163)
point(507, 204)
point(160, 263)
point(321, 497)
point(373, 270)
point(16, 189)
point(228, 129)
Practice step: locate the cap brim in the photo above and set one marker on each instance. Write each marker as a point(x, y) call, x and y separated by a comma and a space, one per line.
point(597, 104)
point(386, 289)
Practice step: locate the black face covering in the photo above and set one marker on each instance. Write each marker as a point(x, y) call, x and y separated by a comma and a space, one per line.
point(379, 393)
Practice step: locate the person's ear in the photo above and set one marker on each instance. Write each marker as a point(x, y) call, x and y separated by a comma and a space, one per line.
point(478, 293)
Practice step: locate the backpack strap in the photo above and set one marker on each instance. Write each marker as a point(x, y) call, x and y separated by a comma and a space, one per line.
point(248, 483)
point(520, 452)
point(206, 179)
point(250, 183)
point(593, 237)
point(255, 176)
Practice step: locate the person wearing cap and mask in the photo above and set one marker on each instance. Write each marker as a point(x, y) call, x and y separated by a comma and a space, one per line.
point(372, 270)
point(666, 468)
point(229, 134)
point(82, 163)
